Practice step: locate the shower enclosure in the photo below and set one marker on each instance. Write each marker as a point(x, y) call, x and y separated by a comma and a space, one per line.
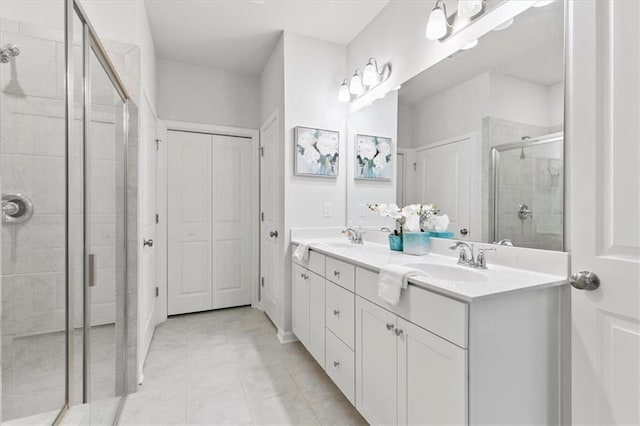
point(528, 192)
point(68, 153)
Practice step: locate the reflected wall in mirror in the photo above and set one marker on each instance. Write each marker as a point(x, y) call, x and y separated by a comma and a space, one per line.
point(492, 111)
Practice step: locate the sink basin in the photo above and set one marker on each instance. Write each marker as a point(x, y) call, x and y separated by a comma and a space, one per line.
point(450, 272)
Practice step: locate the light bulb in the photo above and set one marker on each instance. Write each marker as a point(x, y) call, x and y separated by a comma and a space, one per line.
point(470, 45)
point(343, 93)
point(543, 3)
point(504, 25)
point(437, 23)
point(355, 86)
point(370, 74)
point(469, 8)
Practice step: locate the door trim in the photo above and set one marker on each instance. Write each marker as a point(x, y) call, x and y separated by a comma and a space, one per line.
point(163, 200)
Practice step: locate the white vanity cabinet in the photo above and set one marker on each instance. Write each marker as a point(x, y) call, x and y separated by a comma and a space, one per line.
point(308, 308)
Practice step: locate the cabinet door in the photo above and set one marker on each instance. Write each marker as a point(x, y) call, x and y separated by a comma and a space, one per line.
point(300, 303)
point(376, 363)
point(315, 343)
point(432, 378)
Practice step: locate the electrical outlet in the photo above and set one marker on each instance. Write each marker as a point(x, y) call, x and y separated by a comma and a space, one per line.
point(327, 209)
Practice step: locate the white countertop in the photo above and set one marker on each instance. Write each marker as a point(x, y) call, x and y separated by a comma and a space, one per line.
point(496, 279)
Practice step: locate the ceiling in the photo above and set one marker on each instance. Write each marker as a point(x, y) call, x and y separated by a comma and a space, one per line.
point(240, 35)
point(531, 49)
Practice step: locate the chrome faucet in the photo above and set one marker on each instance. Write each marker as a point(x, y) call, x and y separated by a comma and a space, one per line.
point(462, 256)
point(355, 236)
point(480, 262)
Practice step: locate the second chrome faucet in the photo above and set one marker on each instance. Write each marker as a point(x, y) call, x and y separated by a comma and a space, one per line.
point(470, 259)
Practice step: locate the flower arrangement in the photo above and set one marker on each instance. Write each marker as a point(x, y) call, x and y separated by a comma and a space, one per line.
point(410, 218)
point(373, 157)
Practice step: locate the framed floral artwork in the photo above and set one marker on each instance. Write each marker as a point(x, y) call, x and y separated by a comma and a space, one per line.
point(373, 158)
point(317, 152)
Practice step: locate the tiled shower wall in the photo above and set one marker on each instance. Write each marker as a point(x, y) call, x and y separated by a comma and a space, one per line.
point(32, 150)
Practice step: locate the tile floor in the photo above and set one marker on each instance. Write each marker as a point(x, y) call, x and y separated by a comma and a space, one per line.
point(228, 367)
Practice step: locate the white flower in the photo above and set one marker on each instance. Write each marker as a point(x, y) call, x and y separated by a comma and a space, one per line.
point(384, 148)
point(380, 162)
point(366, 148)
point(311, 156)
point(306, 140)
point(327, 144)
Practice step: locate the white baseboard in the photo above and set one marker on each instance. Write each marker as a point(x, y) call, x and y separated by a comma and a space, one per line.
point(286, 336)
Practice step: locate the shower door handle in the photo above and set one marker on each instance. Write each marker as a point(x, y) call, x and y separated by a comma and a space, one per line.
point(91, 270)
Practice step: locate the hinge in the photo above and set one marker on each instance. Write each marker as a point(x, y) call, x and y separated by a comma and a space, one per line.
point(415, 165)
point(157, 218)
point(157, 291)
point(262, 281)
point(157, 144)
point(262, 151)
point(262, 216)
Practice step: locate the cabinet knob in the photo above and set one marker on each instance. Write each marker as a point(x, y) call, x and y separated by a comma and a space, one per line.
point(336, 364)
point(336, 273)
point(399, 331)
point(336, 312)
point(390, 326)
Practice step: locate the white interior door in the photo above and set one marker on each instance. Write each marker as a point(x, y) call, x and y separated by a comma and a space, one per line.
point(270, 197)
point(189, 222)
point(603, 133)
point(232, 220)
point(444, 179)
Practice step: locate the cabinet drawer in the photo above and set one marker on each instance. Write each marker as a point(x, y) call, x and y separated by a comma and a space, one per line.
point(439, 314)
point(315, 262)
point(340, 317)
point(340, 273)
point(340, 365)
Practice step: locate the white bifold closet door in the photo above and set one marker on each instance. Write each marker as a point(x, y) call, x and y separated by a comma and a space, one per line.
point(210, 204)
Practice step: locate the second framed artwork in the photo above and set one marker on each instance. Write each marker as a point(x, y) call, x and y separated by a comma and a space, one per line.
point(373, 158)
point(317, 152)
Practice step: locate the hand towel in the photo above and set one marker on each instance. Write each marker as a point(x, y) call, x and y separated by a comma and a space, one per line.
point(392, 279)
point(302, 253)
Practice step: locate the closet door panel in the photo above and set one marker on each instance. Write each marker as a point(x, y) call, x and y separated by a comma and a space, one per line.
point(189, 222)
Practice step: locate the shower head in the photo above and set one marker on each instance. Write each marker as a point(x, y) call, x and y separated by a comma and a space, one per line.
point(8, 51)
point(522, 156)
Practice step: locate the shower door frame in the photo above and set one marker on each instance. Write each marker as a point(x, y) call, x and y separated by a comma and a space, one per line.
point(495, 184)
point(90, 42)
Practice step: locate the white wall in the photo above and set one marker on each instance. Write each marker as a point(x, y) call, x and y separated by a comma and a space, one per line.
point(556, 105)
point(518, 100)
point(313, 70)
point(199, 94)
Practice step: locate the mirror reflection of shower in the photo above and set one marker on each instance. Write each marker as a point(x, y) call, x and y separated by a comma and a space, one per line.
point(528, 196)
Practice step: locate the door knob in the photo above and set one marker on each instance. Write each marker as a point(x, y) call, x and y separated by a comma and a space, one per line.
point(148, 243)
point(584, 280)
point(273, 234)
point(464, 231)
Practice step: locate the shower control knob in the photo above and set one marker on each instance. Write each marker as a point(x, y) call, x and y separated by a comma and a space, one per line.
point(147, 243)
point(464, 231)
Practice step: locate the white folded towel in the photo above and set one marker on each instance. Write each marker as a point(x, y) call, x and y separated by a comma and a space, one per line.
point(302, 253)
point(392, 279)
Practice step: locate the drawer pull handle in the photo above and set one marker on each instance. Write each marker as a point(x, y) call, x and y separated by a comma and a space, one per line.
point(399, 331)
point(390, 326)
point(336, 312)
point(336, 273)
point(336, 364)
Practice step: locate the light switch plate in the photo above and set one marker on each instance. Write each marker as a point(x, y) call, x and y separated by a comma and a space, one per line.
point(327, 209)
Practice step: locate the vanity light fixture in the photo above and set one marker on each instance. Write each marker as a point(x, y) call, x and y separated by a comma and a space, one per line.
point(543, 3)
point(343, 93)
point(355, 86)
point(469, 8)
point(371, 76)
point(470, 45)
point(438, 23)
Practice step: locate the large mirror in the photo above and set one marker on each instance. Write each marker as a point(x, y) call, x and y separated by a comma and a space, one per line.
point(480, 135)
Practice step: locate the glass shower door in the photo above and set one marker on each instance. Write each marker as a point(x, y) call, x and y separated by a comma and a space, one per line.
point(105, 249)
